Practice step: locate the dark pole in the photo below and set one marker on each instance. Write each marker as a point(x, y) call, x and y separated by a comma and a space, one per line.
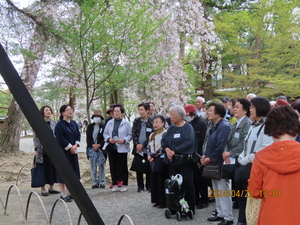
point(45, 135)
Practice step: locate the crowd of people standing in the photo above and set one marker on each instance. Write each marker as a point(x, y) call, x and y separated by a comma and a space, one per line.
point(221, 131)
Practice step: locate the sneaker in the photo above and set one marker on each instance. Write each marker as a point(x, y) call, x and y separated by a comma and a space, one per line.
point(115, 188)
point(66, 199)
point(120, 183)
point(95, 186)
point(101, 185)
point(124, 188)
point(140, 190)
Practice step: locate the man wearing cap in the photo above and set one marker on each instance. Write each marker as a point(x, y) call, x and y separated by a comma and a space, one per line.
point(95, 141)
point(200, 184)
point(226, 103)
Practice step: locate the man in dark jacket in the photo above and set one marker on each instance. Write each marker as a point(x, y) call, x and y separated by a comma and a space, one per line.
point(200, 183)
point(95, 142)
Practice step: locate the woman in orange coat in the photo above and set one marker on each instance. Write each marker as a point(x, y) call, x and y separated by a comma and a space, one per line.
point(275, 174)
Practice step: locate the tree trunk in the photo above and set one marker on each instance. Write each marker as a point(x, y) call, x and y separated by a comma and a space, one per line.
point(10, 135)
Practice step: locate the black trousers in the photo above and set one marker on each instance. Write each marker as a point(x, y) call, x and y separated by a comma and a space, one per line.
point(158, 195)
point(140, 179)
point(241, 201)
point(188, 188)
point(200, 184)
point(118, 167)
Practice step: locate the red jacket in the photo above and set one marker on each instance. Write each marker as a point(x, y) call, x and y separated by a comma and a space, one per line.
point(275, 177)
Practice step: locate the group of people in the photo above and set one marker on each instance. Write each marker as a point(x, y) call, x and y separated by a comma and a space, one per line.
point(248, 133)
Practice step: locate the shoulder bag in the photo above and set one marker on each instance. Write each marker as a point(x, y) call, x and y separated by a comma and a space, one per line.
point(213, 170)
point(37, 175)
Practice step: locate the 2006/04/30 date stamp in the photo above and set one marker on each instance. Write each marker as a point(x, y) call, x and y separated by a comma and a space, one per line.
point(243, 193)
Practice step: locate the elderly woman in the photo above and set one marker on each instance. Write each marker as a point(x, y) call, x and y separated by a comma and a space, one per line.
point(234, 147)
point(94, 144)
point(117, 135)
point(214, 147)
point(239, 130)
point(180, 140)
point(160, 169)
point(255, 141)
point(68, 137)
point(141, 129)
point(41, 157)
point(276, 169)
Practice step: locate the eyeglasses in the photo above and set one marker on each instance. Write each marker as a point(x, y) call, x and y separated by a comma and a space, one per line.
point(68, 110)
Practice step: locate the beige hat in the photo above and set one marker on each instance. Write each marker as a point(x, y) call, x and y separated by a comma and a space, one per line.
point(98, 113)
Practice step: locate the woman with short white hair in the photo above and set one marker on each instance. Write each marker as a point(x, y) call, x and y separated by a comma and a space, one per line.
point(180, 141)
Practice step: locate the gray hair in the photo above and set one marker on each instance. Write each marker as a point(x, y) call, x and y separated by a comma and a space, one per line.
point(179, 109)
point(251, 94)
point(202, 99)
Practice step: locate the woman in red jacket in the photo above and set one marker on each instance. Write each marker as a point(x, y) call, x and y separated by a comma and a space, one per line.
point(275, 174)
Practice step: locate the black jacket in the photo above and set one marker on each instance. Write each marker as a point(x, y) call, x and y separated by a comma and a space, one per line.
point(136, 129)
point(200, 126)
point(89, 135)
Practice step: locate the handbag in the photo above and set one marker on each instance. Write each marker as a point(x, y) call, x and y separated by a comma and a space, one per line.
point(177, 160)
point(158, 165)
point(242, 173)
point(110, 148)
point(139, 164)
point(213, 170)
point(228, 170)
point(252, 210)
point(37, 175)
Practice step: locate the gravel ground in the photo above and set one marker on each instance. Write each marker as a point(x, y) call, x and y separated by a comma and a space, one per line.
point(110, 205)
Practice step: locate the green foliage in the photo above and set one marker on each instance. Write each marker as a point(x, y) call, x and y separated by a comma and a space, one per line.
point(5, 98)
point(109, 45)
point(262, 46)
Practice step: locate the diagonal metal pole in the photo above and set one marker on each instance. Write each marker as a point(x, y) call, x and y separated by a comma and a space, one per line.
point(45, 135)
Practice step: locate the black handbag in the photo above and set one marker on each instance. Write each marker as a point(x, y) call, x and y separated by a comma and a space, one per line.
point(158, 165)
point(228, 170)
point(110, 148)
point(213, 170)
point(139, 164)
point(177, 160)
point(242, 173)
point(37, 175)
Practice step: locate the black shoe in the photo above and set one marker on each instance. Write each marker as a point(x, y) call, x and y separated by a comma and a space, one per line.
point(215, 218)
point(214, 213)
point(202, 205)
point(95, 186)
point(140, 190)
point(240, 223)
point(45, 194)
point(225, 222)
point(66, 199)
point(53, 192)
point(70, 196)
point(101, 185)
point(149, 190)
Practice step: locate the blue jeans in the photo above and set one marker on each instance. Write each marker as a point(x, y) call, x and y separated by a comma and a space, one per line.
point(97, 173)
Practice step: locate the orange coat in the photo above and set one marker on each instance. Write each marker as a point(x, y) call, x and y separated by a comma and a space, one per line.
point(275, 177)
